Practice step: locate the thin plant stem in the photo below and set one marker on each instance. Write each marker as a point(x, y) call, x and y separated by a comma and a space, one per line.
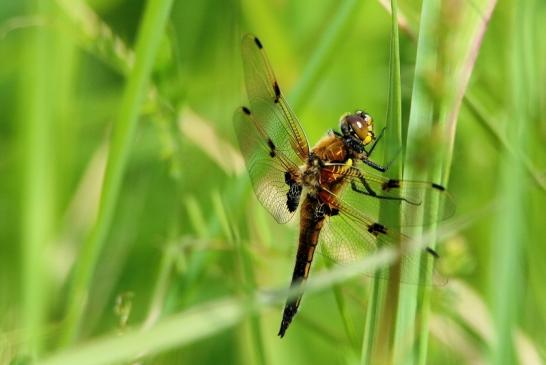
point(449, 107)
point(510, 230)
point(150, 33)
point(37, 211)
point(324, 53)
point(377, 345)
point(420, 124)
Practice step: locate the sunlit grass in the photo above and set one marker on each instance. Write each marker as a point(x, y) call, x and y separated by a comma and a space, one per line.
point(123, 131)
point(377, 344)
point(179, 235)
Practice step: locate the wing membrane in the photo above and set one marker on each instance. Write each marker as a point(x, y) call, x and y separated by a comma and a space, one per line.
point(391, 191)
point(352, 235)
point(269, 134)
point(265, 168)
point(267, 101)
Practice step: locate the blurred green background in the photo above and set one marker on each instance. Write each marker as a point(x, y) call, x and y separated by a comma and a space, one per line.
point(186, 228)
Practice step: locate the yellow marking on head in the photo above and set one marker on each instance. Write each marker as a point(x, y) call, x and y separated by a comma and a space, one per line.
point(368, 138)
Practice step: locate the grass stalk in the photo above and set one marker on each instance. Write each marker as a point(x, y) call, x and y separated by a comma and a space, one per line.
point(380, 318)
point(37, 179)
point(204, 320)
point(510, 229)
point(456, 68)
point(157, 302)
point(472, 103)
point(150, 33)
point(246, 276)
point(210, 318)
point(420, 124)
point(324, 53)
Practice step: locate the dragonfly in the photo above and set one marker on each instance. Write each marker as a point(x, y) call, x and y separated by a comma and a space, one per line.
point(332, 184)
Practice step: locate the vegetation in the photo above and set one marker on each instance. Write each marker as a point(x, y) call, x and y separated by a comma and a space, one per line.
point(129, 230)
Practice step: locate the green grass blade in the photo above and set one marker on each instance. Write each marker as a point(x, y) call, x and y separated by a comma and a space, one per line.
point(324, 53)
point(419, 127)
point(204, 320)
point(245, 275)
point(207, 319)
point(380, 318)
point(38, 168)
point(152, 29)
point(510, 231)
point(459, 49)
point(500, 140)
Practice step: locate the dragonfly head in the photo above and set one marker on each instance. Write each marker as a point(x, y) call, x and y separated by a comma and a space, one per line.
point(358, 125)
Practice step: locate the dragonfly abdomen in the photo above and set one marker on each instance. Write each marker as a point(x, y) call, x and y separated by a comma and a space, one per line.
point(311, 222)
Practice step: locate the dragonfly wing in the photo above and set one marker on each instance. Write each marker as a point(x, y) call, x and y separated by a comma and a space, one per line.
point(266, 165)
point(269, 134)
point(268, 103)
point(351, 235)
point(365, 191)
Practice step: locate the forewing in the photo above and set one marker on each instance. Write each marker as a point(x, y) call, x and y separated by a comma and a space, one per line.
point(265, 163)
point(268, 104)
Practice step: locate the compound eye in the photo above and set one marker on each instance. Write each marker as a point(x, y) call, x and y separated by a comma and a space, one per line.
point(360, 128)
point(368, 120)
point(362, 125)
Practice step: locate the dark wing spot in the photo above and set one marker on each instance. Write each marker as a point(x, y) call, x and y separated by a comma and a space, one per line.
point(438, 186)
point(270, 143)
point(390, 184)
point(258, 43)
point(288, 178)
point(246, 110)
point(293, 197)
point(277, 91)
point(272, 147)
point(377, 228)
point(433, 252)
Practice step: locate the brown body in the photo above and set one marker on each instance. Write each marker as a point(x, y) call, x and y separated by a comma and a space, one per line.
point(281, 167)
point(316, 206)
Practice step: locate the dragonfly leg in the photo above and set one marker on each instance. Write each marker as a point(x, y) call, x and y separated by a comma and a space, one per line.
point(369, 153)
point(374, 165)
point(432, 252)
point(370, 192)
point(377, 166)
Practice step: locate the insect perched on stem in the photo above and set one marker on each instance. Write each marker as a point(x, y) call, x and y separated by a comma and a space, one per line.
point(336, 196)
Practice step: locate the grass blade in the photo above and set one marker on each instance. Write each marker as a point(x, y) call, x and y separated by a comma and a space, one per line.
point(510, 229)
point(419, 127)
point(459, 49)
point(212, 317)
point(324, 53)
point(151, 31)
point(37, 211)
point(377, 345)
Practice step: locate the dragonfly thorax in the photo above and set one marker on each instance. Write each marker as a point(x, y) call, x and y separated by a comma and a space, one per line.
point(310, 174)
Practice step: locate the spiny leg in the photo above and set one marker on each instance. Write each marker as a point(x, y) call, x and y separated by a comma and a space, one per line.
point(377, 166)
point(369, 153)
point(374, 165)
point(370, 192)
